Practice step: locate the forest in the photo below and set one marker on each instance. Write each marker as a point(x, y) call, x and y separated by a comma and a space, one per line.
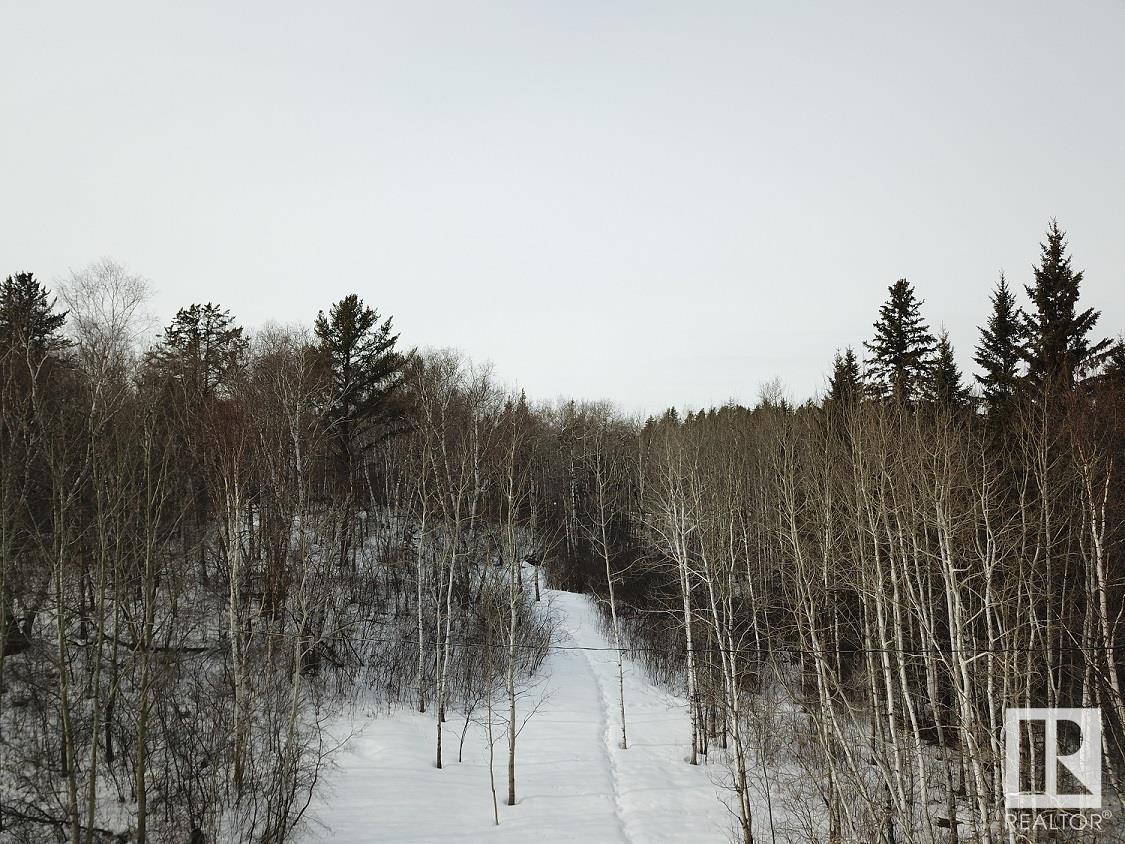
point(211, 539)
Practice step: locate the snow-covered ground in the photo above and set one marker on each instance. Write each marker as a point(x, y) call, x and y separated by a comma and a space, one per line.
point(574, 782)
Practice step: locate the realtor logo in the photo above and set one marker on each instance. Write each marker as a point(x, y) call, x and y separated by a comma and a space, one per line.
point(1083, 789)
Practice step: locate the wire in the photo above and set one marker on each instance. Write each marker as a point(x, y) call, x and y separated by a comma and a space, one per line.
point(789, 650)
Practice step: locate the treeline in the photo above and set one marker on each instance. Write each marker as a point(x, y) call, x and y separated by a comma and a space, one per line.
point(210, 545)
point(851, 591)
point(855, 593)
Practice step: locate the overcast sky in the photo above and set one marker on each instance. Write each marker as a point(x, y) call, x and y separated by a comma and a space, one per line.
point(661, 203)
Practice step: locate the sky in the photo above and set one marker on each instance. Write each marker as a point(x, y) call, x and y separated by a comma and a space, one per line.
point(657, 203)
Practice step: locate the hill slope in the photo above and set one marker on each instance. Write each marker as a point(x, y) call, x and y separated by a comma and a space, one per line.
point(574, 782)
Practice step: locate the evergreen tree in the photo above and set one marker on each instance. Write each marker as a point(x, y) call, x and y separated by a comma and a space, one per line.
point(1057, 344)
point(900, 351)
point(366, 370)
point(29, 323)
point(1115, 364)
point(1000, 351)
point(944, 387)
point(202, 348)
point(846, 383)
point(364, 374)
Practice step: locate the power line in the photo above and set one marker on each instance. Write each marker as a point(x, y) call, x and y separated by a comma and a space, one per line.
point(786, 650)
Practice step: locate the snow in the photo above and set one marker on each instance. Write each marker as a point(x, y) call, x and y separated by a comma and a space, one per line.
point(574, 782)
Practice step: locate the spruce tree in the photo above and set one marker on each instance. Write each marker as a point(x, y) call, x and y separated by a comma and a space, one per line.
point(1056, 334)
point(29, 324)
point(900, 351)
point(364, 368)
point(944, 386)
point(846, 382)
point(1115, 362)
point(1000, 351)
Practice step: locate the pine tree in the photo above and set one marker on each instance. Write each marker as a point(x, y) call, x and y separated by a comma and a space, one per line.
point(202, 348)
point(29, 324)
point(846, 383)
point(900, 351)
point(1000, 351)
point(1057, 344)
point(944, 387)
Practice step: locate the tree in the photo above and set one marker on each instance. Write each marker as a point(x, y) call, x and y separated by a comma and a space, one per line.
point(944, 387)
point(455, 412)
point(195, 365)
point(900, 352)
point(31, 346)
point(1000, 351)
point(515, 491)
point(605, 456)
point(1057, 336)
point(106, 315)
point(202, 348)
point(366, 369)
point(846, 382)
point(364, 373)
point(29, 323)
point(1115, 363)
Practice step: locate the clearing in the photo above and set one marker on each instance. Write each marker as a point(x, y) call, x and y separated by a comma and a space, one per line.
point(574, 782)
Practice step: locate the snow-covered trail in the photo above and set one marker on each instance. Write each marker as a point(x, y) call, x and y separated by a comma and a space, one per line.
point(574, 782)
